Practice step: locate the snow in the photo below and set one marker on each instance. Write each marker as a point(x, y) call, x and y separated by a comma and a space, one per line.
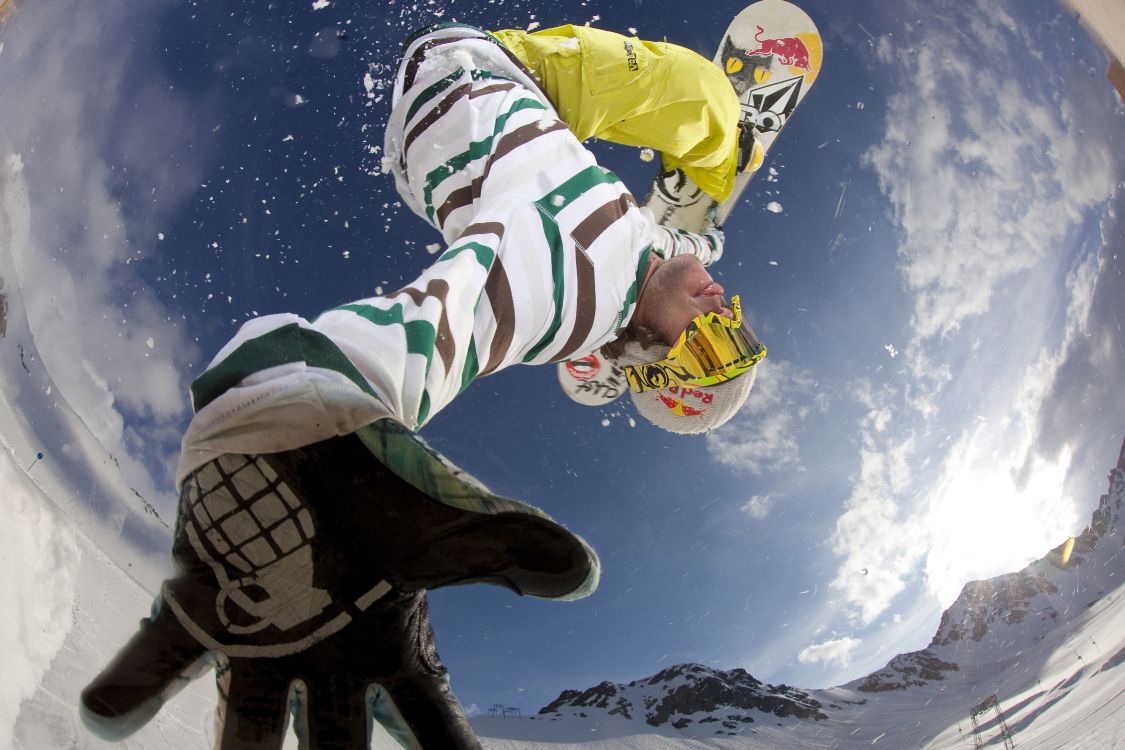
point(33, 623)
point(774, 207)
point(1047, 642)
point(1065, 690)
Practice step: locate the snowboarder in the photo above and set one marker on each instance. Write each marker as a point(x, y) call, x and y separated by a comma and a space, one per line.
point(312, 519)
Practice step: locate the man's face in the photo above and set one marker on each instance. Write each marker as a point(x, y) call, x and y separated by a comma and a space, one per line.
point(679, 290)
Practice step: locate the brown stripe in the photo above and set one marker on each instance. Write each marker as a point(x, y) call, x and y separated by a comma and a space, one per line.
point(587, 303)
point(521, 136)
point(588, 231)
point(499, 293)
point(438, 289)
point(459, 198)
point(484, 227)
point(447, 103)
point(585, 235)
point(435, 114)
point(506, 86)
point(421, 53)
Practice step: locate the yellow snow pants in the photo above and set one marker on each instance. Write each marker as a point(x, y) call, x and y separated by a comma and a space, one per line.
point(638, 93)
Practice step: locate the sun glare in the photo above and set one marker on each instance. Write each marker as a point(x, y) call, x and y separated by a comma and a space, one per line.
point(982, 523)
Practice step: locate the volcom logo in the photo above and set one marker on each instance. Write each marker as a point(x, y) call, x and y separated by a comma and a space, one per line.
point(631, 57)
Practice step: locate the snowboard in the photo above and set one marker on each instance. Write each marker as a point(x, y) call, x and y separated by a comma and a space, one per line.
point(772, 54)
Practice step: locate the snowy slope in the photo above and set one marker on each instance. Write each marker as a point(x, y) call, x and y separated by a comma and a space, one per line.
point(1048, 641)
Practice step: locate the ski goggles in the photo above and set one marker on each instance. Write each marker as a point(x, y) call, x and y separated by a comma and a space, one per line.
point(712, 349)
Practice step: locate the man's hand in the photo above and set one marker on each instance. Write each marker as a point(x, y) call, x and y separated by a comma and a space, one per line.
point(308, 568)
point(383, 665)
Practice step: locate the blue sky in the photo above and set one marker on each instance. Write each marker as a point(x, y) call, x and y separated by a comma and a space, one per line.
point(941, 292)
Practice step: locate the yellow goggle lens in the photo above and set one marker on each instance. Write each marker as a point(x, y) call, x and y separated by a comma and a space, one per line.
point(711, 350)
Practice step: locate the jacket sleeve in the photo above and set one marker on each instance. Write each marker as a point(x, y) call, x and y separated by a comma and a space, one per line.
point(708, 247)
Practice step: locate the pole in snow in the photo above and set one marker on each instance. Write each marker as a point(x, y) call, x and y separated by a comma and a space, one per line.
point(38, 458)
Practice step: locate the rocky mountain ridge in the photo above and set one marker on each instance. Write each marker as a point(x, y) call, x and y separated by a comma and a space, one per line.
point(972, 631)
point(687, 694)
point(1032, 599)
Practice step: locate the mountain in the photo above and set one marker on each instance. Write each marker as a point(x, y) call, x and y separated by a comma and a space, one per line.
point(690, 693)
point(1035, 654)
point(1019, 606)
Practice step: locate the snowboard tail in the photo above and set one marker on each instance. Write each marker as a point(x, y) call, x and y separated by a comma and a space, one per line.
point(772, 54)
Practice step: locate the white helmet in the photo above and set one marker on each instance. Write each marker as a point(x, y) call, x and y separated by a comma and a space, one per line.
point(686, 409)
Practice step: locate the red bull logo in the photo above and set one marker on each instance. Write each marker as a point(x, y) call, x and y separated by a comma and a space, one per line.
point(789, 50)
point(677, 407)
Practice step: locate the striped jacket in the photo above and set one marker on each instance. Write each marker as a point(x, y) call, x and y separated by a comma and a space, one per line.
point(545, 254)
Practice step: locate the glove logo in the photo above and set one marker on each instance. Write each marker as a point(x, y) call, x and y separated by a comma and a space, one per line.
point(255, 534)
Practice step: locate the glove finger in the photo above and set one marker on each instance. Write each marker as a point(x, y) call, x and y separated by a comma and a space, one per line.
point(432, 712)
point(253, 705)
point(156, 662)
point(336, 713)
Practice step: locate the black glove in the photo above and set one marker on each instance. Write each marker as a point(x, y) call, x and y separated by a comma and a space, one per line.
point(310, 565)
point(344, 680)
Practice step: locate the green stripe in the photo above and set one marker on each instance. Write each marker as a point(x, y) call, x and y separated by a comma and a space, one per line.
point(485, 254)
point(565, 194)
point(472, 366)
point(421, 338)
point(549, 207)
point(554, 241)
point(476, 150)
point(631, 295)
point(431, 92)
point(281, 346)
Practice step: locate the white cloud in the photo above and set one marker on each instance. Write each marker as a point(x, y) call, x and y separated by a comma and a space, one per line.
point(879, 539)
point(836, 651)
point(104, 132)
point(989, 507)
point(984, 173)
point(764, 435)
point(758, 507)
point(989, 185)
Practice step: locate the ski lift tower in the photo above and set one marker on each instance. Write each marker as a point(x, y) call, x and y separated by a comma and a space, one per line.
point(989, 704)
